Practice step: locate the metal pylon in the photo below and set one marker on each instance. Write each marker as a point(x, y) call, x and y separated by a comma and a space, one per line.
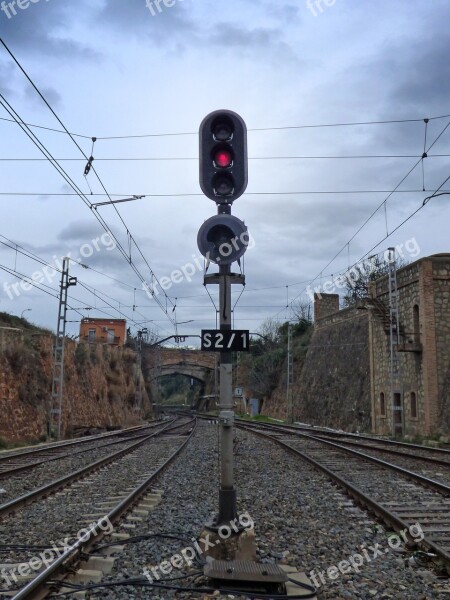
point(58, 360)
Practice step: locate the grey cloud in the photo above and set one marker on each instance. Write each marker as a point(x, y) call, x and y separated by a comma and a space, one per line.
point(50, 94)
point(80, 231)
point(251, 41)
point(38, 29)
point(137, 19)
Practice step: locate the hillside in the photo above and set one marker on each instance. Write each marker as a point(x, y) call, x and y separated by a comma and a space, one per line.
point(99, 383)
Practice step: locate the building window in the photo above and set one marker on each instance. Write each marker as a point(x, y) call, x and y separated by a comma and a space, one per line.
point(91, 336)
point(416, 324)
point(413, 405)
point(110, 336)
point(382, 405)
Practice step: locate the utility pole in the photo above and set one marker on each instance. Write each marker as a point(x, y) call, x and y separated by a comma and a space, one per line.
point(58, 359)
point(290, 377)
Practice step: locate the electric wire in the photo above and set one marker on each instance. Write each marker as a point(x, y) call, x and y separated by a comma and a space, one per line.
point(79, 193)
point(199, 195)
point(376, 210)
point(101, 295)
point(281, 128)
point(196, 158)
point(54, 162)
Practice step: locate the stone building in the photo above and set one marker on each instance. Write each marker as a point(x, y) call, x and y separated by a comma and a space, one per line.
point(346, 377)
point(419, 402)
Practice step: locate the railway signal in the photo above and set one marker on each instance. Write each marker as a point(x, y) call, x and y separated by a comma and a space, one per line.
point(223, 239)
point(223, 156)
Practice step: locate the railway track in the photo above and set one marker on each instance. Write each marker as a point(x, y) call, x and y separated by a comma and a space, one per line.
point(71, 478)
point(12, 463)
point(109, 498)
point(433, 463)
point(375, 442)
point(399, 497)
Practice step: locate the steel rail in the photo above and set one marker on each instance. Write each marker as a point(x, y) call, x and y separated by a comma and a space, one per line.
point(421, 479)
point(428, 459)
point(38, 588)
point(57, 484)
point(47, 448)
point(381, 511)
point(360, 436)
point(44, 461)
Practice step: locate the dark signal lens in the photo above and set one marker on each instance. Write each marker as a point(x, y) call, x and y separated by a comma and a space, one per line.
point(222, 131)
point(223, 158)
point(223, 184)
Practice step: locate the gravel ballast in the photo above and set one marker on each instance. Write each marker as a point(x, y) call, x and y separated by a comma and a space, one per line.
point(301, 520)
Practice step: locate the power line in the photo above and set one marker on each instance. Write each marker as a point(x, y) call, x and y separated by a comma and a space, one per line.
point(55, 163)
point(190, 195)
point(195, 158)
point(45, 288)
point(376, 210)
point(176, 134)
point(100, 295)
point(79, 193)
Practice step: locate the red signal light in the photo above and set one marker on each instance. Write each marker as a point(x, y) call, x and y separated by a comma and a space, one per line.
point(223, 158)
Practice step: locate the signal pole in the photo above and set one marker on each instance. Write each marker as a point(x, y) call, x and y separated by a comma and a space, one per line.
point(58, 360)
point(227, 493)
point(223, 240)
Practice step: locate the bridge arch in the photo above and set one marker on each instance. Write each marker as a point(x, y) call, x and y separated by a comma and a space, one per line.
point(191, 363)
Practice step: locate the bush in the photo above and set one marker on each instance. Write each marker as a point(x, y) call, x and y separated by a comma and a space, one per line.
point(80, 358)
point(94, 355)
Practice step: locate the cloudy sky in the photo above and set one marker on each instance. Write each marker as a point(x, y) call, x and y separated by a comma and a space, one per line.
point(147, 77)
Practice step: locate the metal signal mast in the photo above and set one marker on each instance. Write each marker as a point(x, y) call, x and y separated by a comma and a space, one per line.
point(58, 361)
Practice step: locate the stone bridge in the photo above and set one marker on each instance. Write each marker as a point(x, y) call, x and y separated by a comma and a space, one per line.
point(170, 361)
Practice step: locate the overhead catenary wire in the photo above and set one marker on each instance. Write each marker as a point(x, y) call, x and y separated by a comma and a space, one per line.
point(72, 184)
point(101, 295)
point(195, 158)
point(54, 292)
point(199, 195)
point(388, 234)
point(262, 158)
point(256, 129)
point(79, 193)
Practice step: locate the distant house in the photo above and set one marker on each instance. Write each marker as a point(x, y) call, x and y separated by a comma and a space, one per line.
point(103, 331)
